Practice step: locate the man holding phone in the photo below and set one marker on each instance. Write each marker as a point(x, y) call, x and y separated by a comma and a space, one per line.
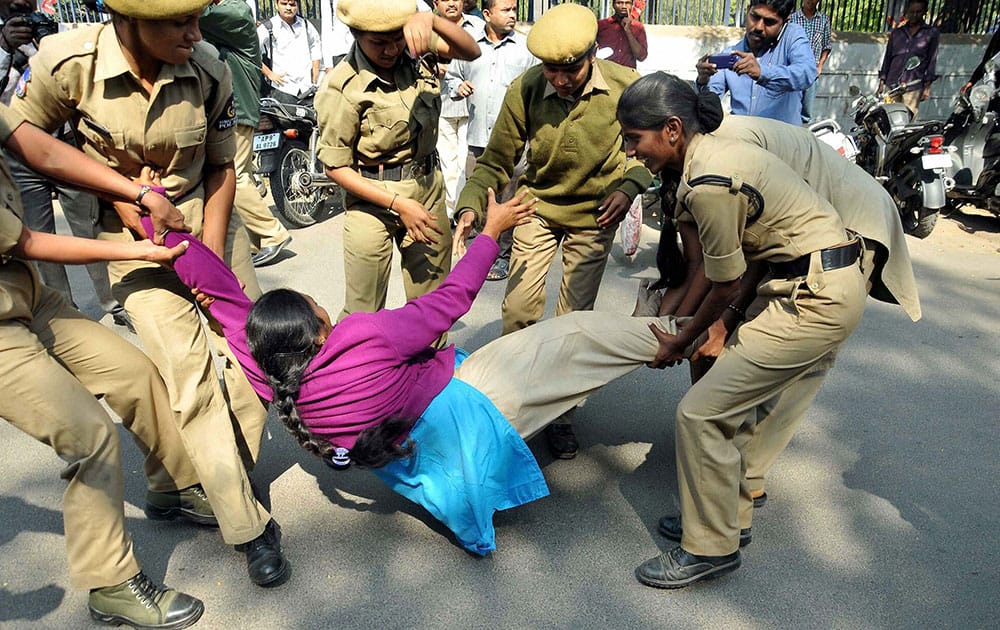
point(770, 67)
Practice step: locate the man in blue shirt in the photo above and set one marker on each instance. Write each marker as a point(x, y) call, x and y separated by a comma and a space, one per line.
point(776, 65)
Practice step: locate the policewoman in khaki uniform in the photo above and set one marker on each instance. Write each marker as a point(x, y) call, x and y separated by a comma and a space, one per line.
point(866, 208)
point(563, 110)
point(145, 92)
point(55, 362)
point(378, 113)
point(748, 206)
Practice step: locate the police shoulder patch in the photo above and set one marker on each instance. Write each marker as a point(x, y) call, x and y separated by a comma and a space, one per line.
point(228, 118)
point(21, 89)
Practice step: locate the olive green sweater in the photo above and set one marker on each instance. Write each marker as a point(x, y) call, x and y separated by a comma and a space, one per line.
point(576, 156)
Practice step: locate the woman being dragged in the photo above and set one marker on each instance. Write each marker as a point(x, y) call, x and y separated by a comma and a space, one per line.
point(444, 428)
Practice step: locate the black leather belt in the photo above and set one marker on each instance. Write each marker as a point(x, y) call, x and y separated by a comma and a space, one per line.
point(831, 257)
point(399, 172)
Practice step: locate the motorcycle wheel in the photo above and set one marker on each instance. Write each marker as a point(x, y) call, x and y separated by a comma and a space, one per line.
point(923, 227)
point(298, 202)
point(904, 188)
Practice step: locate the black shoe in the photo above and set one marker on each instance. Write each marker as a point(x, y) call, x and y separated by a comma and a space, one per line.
point(562, 440)
point(265, 563)
point(121, 318)
point(190, 503)
point(678, 568)
point(141, 603)
point(760, 501)
point(670, 528)
point(266, 255)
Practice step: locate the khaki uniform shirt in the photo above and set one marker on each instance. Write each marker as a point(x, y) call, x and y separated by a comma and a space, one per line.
point(862, 203)
point(185, 124)
point(365, 120)
point(795, 220)
point(18, 278)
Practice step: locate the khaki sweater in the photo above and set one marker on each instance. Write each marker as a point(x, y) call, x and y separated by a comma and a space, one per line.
point(575, 157)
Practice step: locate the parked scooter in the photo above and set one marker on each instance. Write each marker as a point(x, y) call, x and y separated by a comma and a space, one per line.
point(973, 133)
point(829, 132)
point(285, 146)
point(909, 159)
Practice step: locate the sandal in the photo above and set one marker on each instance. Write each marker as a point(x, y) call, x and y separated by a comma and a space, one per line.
point(499, 270)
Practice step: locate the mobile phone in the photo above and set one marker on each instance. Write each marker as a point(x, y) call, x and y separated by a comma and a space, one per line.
point(724, 62)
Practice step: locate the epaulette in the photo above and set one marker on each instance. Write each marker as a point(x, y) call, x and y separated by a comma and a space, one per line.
point(78, 42)
point(340, 75)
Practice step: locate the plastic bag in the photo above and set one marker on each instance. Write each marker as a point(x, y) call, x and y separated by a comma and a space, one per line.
point(631, 227)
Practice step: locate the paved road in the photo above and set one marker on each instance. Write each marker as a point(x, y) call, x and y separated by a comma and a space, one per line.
point(882, 513)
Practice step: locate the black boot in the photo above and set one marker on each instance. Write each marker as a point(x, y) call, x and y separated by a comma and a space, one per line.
point(678, 568)
point(265, 562)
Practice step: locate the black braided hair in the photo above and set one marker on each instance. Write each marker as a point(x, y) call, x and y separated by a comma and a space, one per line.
point(281, 331)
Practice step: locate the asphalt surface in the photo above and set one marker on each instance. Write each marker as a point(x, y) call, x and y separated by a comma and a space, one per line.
point(882, 511)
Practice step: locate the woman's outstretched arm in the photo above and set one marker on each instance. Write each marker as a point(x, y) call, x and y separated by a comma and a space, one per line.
point(429, 316)
point(199, 268)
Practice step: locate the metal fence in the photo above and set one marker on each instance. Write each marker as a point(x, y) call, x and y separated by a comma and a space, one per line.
point(869, 16)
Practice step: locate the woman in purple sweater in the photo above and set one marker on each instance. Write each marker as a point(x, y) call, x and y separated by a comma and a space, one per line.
point(443, 428)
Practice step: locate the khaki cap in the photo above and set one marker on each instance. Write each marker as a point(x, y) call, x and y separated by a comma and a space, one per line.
point(156, 9)
point(375, 16)
point(563, 34)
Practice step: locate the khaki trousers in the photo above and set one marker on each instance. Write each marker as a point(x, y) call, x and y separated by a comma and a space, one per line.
point(911, 99)
point(54, 364)
point(536, 374)
point(214, 422)
point(804, 321)
point(584, 256)
point(775, 422)
point(262, 227)
point(369, 235)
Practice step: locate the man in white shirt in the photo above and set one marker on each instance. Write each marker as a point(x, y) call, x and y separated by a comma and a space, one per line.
point(452, 145)
point(288, 40)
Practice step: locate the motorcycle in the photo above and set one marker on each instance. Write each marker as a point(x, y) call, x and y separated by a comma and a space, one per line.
point(285, 150)
point(829, 132)
point(909, 159)
point(973, 135)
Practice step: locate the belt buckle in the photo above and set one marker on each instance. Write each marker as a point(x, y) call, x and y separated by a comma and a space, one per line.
point(417, 169)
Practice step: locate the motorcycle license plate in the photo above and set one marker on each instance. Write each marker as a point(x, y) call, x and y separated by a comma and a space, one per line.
point(935, 160)
point(266, 141)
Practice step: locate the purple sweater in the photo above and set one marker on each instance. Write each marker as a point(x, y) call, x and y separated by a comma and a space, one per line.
point(373, 366)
